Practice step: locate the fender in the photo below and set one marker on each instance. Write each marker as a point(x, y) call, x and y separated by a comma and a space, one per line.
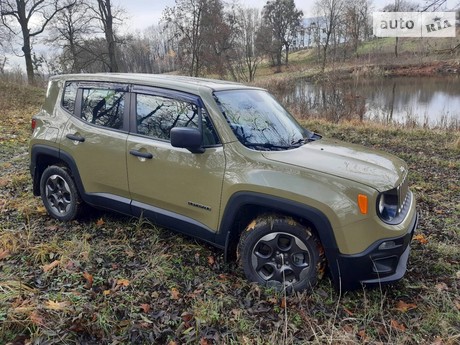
point(51, 154)
point(227, 234)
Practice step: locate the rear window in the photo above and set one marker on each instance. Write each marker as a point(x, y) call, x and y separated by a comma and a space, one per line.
point(103, 107)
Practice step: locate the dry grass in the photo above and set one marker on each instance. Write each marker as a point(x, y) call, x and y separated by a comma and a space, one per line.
point(107, 279)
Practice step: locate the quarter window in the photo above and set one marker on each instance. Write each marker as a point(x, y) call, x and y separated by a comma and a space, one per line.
point(103, 107)
point(70, 94)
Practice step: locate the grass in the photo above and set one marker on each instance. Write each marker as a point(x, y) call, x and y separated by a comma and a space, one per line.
point(108, 279)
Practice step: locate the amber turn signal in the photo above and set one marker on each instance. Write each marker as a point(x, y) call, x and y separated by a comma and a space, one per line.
point(362, 203)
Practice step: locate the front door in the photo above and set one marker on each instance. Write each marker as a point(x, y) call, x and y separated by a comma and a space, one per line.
point(173, 181)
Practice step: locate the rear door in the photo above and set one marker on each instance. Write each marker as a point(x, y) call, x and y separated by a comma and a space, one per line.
point(171, 182)
point(95, 137)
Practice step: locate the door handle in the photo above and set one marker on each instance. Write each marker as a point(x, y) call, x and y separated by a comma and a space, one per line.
point(75, 137)
point(140, 154)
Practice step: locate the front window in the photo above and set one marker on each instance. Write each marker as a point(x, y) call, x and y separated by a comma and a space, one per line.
point(259, 121)
point(157, 115)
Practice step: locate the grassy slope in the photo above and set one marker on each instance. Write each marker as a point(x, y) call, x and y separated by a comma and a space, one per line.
point(113, 279)
point(375, 57)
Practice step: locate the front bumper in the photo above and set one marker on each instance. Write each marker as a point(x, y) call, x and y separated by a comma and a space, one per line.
point(383, 262)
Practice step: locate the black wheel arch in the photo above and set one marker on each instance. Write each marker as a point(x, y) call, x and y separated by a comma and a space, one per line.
point(43, 156)
point(243, 207)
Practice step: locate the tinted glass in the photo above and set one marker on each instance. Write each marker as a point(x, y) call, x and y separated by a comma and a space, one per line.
point(70, 94)
point(103, 107)
point(157, 115)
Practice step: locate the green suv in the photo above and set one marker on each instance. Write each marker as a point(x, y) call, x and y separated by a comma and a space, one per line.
point(227, 164)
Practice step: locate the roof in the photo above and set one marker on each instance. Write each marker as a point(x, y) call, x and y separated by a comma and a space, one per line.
point(183, 83)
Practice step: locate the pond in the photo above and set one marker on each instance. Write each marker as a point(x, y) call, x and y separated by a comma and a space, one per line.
point(412, 101)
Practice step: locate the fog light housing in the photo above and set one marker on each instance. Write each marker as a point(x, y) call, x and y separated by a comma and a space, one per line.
point(387, 245)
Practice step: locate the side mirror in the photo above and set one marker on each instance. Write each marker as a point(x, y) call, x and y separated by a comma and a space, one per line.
point(187, 138)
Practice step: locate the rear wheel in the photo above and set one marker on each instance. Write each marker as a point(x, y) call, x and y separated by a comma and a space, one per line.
point(59, 193)
point(280, 252)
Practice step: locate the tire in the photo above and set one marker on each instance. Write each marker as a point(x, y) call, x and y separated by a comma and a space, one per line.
point(281, 253)
point(59, 194)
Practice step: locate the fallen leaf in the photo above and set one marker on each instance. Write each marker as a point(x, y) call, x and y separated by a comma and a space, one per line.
point(123, 282)
point(100, 222)
point(440, 287)
point(4, 254)
point(52, 305)
point(347, 329)
point(89, 280)
point(437, 341)
point(145, 307)
point(106, 292)
point(36, 318)
point(283, 303)
point(204, 341)
point(172, 342)
point(52, 228)
point(49, 267)
point(348, 311)
point(187, 317)
point(398, 326)
point(175, 294)
point(421, 239)
point(211, 260)
point(404, 307)
point(362, 335)
point(457, 304)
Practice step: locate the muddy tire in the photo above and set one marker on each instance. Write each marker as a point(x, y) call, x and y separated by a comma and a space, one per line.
point(280, 252)
point(59, 194)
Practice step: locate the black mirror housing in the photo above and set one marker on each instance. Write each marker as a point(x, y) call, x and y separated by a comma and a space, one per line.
point(187, 138)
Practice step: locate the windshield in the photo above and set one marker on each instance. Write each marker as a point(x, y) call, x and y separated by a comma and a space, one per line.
point(259, 121)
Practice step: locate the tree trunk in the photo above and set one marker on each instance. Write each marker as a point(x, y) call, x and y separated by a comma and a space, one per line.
point(287, 54)
point(28, 57)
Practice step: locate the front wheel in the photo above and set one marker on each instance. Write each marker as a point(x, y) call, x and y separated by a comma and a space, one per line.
point(59, 193)
point(280, 252)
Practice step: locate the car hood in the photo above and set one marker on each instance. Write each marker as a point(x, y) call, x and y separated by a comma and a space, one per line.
point(373, 168)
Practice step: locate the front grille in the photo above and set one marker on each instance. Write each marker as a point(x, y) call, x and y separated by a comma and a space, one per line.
point(402, 191)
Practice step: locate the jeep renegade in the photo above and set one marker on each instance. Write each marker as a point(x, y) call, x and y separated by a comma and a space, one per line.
point(225, 163)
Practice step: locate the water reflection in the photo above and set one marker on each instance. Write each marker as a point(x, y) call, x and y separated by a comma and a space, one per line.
point(422, 101)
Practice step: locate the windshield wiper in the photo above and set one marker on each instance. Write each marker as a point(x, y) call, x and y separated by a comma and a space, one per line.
point(302, 141)
point(267, 146)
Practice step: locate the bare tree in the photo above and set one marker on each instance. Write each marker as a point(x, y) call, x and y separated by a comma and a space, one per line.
point(32, 17)
point(284, 19)
point(356, 16)
point(204, 34)
point(68, 31)
point(184, 21)
point(107, 16)
point(331, 11)
point(249, 56)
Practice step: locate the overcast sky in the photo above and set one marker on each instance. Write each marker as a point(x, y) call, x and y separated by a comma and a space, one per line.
point(144, 13)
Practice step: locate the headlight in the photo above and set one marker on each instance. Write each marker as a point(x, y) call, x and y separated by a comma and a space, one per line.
point(388, 206)
point(391, 204)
